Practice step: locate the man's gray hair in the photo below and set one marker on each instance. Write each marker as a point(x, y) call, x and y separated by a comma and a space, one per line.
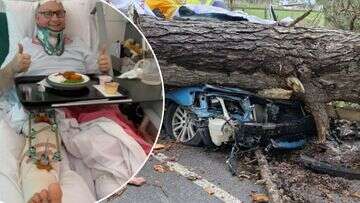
point(44, 1)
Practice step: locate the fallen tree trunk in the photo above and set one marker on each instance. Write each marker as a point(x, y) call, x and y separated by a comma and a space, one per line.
point(257, 57)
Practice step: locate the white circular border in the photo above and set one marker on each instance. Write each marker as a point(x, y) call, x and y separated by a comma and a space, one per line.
point(162, 92)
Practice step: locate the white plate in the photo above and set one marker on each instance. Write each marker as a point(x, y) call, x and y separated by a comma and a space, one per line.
point(56, 80)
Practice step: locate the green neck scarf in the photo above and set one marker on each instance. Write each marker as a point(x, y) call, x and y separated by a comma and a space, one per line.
point(43, 35)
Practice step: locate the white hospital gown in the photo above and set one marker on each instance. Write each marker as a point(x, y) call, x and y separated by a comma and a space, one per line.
point(76, 57)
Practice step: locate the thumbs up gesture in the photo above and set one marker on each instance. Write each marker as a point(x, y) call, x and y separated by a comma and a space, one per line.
point(104, 61)
point(23, 60)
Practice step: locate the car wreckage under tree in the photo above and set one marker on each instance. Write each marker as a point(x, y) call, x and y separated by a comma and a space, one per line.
point(261, 58)
point(258, 57)
point(210, 115)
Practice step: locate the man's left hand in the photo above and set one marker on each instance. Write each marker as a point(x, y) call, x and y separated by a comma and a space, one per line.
point(104, 61)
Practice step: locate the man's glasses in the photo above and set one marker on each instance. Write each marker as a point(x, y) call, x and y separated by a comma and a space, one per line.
point(50, 14)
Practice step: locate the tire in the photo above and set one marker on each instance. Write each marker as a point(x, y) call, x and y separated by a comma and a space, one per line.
point(330, 169)
point(194, 133)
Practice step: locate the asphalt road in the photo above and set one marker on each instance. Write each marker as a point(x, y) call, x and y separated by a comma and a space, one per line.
point(176, 186)
point(214, 183)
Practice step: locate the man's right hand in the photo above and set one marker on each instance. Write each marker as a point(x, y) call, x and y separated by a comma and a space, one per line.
point(23, 60)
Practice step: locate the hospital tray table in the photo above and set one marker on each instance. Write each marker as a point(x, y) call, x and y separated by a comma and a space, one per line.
point(29, 95)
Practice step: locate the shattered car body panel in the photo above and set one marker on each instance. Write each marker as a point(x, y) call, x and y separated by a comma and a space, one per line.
point(183, 96)
point(224, 115)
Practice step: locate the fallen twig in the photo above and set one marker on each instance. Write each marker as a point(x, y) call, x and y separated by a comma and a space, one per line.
point(116, 195)
point(300, 18)
point(157, 184)
point(251, 162)
point(266, 175)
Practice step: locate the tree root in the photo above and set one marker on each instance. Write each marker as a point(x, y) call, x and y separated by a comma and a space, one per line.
point(318, 110)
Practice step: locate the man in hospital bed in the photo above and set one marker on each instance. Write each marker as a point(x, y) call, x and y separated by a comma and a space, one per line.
point(52, 51)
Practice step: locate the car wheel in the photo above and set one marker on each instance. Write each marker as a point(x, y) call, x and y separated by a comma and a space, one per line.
point(184, 126)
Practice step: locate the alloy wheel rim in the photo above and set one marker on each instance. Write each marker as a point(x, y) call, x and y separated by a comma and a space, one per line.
point(183, 125)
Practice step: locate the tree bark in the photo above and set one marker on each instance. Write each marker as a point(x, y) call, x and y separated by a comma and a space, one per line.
point(255, 57)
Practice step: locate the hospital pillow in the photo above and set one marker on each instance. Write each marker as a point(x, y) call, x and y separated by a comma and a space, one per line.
point(21, 22)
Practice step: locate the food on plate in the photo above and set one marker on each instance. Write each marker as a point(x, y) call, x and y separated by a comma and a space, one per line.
point(68, 80)
point(111, 87)
point(72, 77)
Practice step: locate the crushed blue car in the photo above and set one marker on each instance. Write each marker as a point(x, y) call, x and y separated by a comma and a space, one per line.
point(208, 115)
